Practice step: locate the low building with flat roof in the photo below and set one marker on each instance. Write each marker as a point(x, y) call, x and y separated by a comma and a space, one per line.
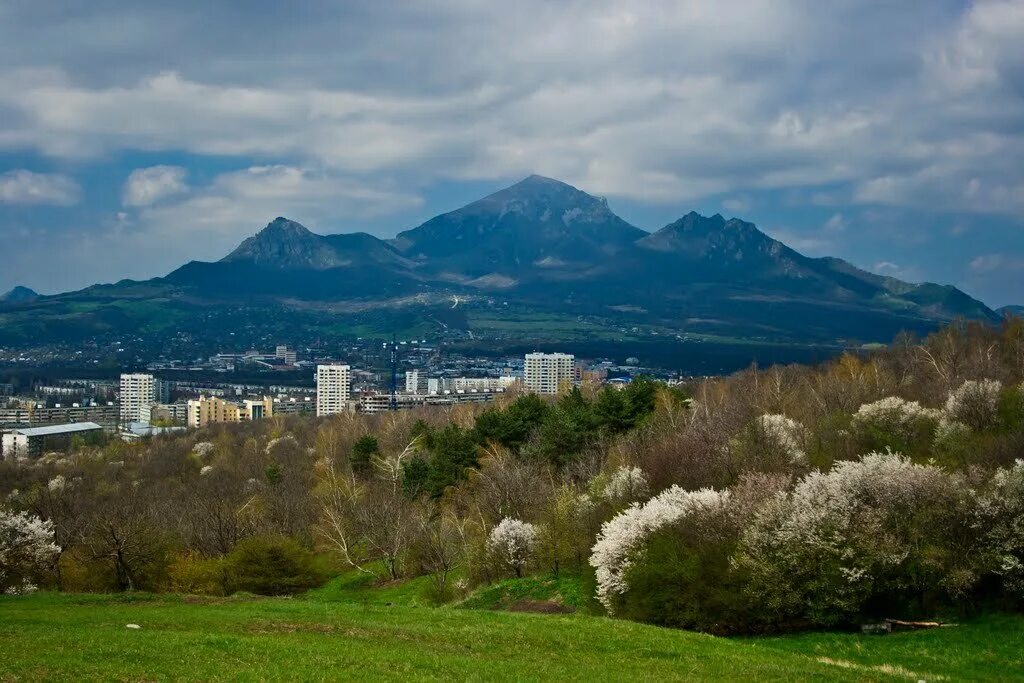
point(31, 442)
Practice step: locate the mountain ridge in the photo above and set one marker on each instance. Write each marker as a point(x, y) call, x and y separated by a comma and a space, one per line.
point(545, 247)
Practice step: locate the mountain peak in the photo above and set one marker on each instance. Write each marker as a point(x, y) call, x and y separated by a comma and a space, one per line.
point(18, 294)
point(283, 243)
point(537, 220)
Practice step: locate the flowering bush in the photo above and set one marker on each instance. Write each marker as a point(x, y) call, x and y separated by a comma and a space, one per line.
point(512, 542)
point(623, 536)
point(894, 423)
point(624, 485)
point(1001, 520)
point(26, 550)
point(866, 530)
point(785, 435)
point(974, 403)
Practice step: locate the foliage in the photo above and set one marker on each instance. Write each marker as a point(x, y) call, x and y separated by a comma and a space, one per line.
point(272, 565)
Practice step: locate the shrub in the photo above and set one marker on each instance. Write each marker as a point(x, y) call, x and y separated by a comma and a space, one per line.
point(896, 424)
point(1001, 520)
point(974, 403)
point(272, 565)
point(624, 485)
point(623, 536)
point(864, 536)
point(193, 573)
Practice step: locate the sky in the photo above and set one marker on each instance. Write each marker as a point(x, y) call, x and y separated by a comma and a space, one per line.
point(137, 136)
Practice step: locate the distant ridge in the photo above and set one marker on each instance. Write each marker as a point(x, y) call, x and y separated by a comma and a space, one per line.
point(545, 250)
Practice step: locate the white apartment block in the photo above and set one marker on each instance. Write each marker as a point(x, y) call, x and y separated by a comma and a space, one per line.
point(138, 390)
point(546, 373)
point(412, 381)
point(333, 388)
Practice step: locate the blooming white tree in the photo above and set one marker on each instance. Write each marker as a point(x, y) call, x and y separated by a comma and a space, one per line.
point(783, 434)
point(974, 403)
point(26, 550)
point(626, 484)
point(895, 418)
point(823, 549)
point(1001, 520)
point(623, 537)
point(513, 541)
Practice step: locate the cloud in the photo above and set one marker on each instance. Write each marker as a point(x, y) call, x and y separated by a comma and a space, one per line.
point(146, 186)
point(25, 187)
point(993, 263)
point(603, 94)
point(836, 223)
point(213, 218)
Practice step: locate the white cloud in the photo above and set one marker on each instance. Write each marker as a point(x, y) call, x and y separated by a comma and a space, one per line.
point(603, 94)
point(212, 219)
point(25, 187)
point(146, 186)
point(836, 223)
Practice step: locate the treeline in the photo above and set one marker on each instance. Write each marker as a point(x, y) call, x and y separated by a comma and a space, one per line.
point(886, 485)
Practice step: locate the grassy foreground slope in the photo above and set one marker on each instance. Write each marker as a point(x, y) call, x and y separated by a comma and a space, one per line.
point(84, 637)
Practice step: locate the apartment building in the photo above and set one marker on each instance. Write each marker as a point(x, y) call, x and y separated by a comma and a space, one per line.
point(139, 390)
point(548, 373)
point(333, 389)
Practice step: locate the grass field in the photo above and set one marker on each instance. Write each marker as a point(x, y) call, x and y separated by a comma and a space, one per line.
point(341, 632)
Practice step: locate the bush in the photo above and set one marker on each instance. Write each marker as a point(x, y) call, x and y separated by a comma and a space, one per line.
point(195, 574)
point(273, 565)
point(894, 424)
point(876, 537)
point(974, 403)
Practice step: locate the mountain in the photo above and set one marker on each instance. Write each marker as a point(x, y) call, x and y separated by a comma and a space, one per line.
point(19, 294)
point(536, 225)
point(540, 260)
point(1016, 311)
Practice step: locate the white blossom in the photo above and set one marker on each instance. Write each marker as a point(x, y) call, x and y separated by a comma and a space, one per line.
point(206, 469)
point(26, 548)
point(974, 403)
point(626, 484)
point(1001, 521)
point(203, 448)
point(624, 535)
point(273, 443)
point(512, 541)
point(57, 483)
point(785, 434)
point(819, 548)
point(894, 416)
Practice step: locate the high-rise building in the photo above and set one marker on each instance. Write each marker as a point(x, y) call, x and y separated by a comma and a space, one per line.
point(333, 387)
point(210, 409)
point(547, 373)
point(414, 383)
point(282, 352)
point(137, 390)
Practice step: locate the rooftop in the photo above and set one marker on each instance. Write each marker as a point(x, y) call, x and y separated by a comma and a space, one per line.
point(51, 430)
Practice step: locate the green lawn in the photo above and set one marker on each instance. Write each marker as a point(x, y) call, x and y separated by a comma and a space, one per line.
point(328, 636)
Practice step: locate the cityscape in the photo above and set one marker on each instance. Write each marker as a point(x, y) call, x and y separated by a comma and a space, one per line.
point(137, 405)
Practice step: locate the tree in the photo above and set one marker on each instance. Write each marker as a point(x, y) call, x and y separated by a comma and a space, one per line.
point(26, 550)
point(362, 452)
point(512, 542)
